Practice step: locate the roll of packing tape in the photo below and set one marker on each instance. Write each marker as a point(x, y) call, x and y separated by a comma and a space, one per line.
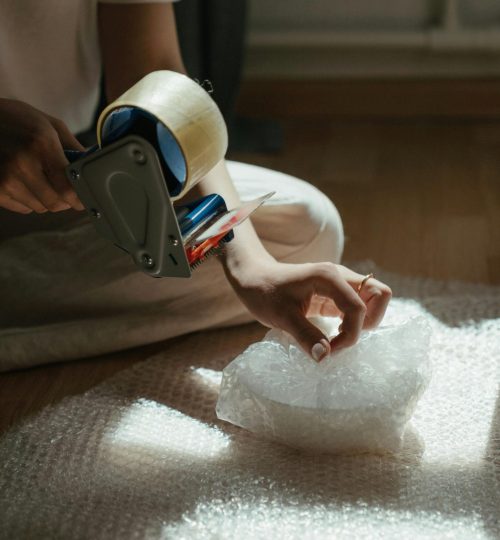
point(190, 129)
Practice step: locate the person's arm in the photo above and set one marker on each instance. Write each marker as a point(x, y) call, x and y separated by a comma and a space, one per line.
point(137, 39)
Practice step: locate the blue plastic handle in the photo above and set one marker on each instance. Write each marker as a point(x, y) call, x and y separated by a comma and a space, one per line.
point(199, 210)
point(73, 155)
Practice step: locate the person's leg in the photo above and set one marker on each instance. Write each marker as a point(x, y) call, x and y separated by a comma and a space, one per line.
point(299, 223)
point(71, 294)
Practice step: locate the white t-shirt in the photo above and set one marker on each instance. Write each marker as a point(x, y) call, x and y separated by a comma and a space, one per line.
point(49, 56)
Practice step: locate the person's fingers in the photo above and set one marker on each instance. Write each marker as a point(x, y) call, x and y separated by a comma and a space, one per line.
point(309, 337)
point(30, 170)
point(39, 185)
point(351, 327)
point(14, 206)
point(328, 282)
point(323, 306)
point(55, 163)
point(376, 296)
point(68, 140)
point(18, 191)
point(54, 170)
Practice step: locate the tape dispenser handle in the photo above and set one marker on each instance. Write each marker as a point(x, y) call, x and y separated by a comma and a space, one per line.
point(74, 155)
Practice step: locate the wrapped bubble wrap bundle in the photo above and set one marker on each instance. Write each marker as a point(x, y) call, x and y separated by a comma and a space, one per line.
point(359, 399)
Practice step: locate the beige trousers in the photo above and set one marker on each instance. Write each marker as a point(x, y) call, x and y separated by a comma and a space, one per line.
point(67, 293)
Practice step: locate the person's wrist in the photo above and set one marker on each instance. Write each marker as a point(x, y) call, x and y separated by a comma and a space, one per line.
point(240, 264)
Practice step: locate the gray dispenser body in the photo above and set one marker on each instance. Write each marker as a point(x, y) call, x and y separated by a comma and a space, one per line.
point(124, 191)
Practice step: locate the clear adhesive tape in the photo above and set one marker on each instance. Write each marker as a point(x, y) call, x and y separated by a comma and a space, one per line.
point(187, 111)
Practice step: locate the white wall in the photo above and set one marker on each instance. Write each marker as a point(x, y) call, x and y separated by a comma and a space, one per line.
point(328, 38)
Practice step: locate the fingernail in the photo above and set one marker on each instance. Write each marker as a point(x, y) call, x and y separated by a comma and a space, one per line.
point(319, 351)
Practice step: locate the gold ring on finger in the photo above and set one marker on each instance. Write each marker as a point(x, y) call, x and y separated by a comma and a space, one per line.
point(363, 281)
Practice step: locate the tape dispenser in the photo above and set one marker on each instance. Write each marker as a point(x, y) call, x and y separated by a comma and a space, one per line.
point(155, 142)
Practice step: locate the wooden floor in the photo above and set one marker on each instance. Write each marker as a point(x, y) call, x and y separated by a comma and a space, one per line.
point(413, 167)
point(418, 186)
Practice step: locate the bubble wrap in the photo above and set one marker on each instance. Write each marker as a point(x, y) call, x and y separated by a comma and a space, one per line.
point(357, 400)
point(144, 456)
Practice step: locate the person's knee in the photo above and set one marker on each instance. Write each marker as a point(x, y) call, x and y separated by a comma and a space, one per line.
point(328, 242)
point(321, 227)
point(299, 223)
point(333, 231)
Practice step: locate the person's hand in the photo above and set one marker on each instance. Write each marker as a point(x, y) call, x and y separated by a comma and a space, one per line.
point(32, 160)
point(283, 295)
